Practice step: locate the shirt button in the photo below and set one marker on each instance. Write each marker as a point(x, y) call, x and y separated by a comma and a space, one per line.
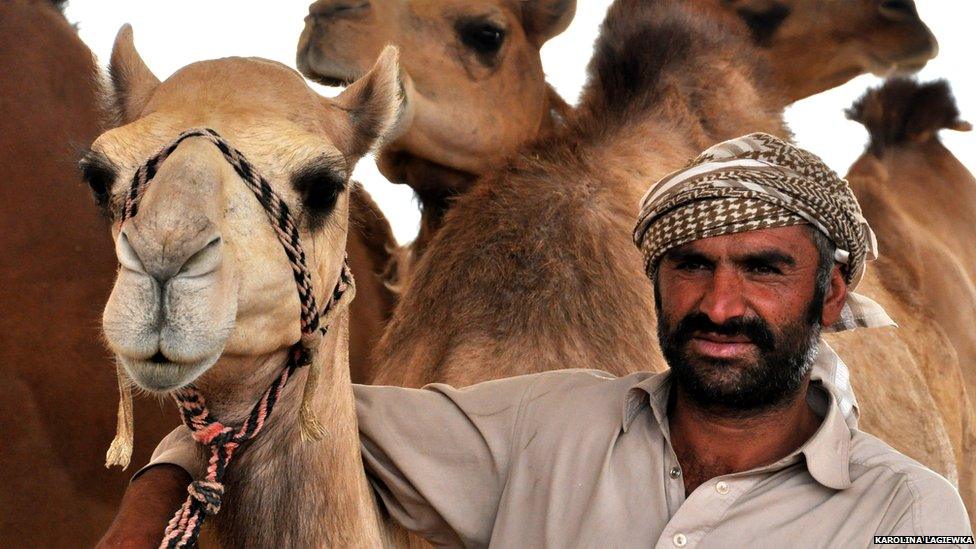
point(722, 487)
point(675, 472)
point(680, 540)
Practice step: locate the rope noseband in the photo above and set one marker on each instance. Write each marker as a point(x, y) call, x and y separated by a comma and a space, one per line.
point(205, 496)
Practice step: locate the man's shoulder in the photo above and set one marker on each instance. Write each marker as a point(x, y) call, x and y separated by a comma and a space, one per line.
point(920, 499)
point(869, 455)
point(576, 379)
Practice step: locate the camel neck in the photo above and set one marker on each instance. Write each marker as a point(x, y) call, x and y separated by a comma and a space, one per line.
point(281, 491)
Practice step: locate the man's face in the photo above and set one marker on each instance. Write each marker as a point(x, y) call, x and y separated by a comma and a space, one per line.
point(740, 316)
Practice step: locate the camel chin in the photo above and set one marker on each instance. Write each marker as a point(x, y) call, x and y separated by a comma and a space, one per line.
point(164, 376)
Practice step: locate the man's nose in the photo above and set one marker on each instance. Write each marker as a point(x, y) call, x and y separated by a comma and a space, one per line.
point(724, 298)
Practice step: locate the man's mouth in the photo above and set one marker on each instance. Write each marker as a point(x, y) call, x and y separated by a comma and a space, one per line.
point(721, 346)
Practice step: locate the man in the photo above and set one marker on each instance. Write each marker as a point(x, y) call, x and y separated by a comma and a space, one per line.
point(749, 440)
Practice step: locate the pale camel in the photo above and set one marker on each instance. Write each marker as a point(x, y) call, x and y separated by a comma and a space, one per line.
point(206, 295)
point(479, 89)
point(57, 270)
point(534, 268)
point(922, 200)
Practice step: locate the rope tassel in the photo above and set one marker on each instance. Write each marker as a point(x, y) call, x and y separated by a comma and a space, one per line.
point(120, 451)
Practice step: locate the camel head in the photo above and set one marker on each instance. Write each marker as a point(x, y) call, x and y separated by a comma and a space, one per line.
point(203, 275)
point(815, 45)
point(475, 84)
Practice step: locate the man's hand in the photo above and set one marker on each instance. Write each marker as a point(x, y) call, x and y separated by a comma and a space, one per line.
point(146, 508)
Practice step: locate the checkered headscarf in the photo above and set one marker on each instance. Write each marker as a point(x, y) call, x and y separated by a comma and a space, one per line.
point(758, 182)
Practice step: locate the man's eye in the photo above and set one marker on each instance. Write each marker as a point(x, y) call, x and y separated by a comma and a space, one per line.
point(764, 269)
point(691, 266)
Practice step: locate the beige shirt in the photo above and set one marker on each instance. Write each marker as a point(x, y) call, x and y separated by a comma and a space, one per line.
point(578, 458)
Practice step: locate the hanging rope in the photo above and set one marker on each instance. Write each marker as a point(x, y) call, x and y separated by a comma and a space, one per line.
point(205, 496)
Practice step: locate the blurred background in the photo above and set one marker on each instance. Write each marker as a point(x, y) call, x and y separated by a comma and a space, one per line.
point(172, 34)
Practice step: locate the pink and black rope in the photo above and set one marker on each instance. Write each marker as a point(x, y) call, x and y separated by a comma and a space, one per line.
point(205, 496)
point(278, 213)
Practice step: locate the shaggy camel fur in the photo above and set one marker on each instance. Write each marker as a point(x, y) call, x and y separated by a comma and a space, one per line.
point(57, 268)
point(473, 65)
point(466, 62)
point(230, 309)
point(922, 200)
point(534, 268)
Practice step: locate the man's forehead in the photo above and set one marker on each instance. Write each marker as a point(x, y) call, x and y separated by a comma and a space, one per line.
point(794, 240)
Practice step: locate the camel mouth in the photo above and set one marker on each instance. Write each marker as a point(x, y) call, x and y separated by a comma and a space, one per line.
point(158, 374)
point(317, 58)
point(909, 62)
point(321, 69)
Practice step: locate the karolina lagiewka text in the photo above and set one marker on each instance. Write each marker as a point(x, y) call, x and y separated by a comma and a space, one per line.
point(935, 540)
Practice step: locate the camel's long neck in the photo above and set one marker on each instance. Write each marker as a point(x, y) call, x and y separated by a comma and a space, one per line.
point(436, 186)
point(282, 492)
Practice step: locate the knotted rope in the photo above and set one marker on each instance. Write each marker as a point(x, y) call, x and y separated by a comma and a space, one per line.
point(205, 496)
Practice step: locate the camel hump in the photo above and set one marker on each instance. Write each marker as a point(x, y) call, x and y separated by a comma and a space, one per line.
point(639, 43)
point(904, 110)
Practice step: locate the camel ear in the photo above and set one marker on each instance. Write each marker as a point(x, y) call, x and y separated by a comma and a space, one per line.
point(961, 126)
point(376, 104)
point(544, 19)
point(132, 81)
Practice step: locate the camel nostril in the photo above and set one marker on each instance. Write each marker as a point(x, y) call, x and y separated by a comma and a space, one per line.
point(127, 255)
point(898, 10)
point(203, 261)
point(337, 9)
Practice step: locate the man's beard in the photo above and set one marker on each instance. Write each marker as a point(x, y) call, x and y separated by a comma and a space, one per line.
point(742, 387)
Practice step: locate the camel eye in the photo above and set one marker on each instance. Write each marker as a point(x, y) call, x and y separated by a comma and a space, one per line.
point(100, 174)
point(319, 185)
point(484, 37)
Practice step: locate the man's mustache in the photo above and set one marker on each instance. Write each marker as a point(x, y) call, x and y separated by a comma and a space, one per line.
point(753, 328)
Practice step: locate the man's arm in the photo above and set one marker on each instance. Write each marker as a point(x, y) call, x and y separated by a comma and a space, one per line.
point(437, 458)
point(148, 503)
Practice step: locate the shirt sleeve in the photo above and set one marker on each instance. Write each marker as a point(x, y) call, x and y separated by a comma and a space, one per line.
point(177, 448)
point(438, 457)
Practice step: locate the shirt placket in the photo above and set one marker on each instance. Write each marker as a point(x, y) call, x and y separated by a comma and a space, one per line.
point(694, 517)
point(700, 512)
point(674, 485)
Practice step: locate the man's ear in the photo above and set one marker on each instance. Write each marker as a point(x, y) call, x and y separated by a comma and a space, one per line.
point(544, 19)
point(132, 81)
point(835, 298)
point(376, 104)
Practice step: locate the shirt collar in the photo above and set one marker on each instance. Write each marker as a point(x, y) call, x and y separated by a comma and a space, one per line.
point(827, 453)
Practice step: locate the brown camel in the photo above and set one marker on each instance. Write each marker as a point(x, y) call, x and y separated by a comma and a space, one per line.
point(57, 268)
point(534, 268)
point(472, 65)
point(232, 309)
point(467, 62)
point(814, 45)
point(921, 199)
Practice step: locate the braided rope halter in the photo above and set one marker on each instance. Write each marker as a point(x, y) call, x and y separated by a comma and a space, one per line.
point(204, 496)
